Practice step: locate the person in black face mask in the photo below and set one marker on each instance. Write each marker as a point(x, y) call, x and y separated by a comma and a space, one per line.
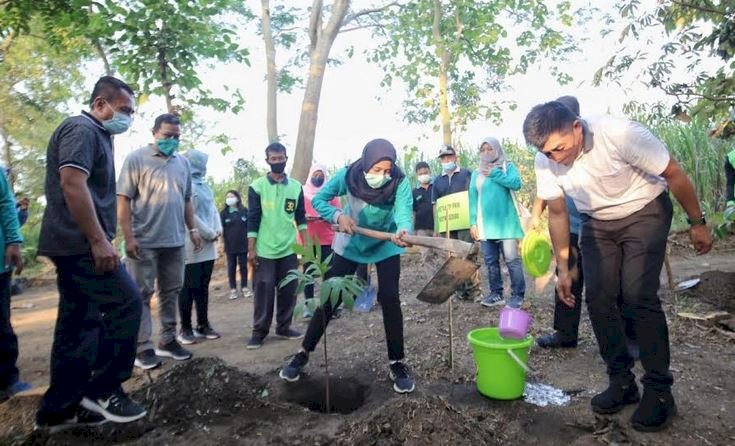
point(270, 250)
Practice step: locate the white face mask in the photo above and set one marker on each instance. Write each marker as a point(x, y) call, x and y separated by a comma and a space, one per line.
point(424, 179)
point(231, 201)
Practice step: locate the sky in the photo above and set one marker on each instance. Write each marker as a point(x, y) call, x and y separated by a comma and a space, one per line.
point(354, 108)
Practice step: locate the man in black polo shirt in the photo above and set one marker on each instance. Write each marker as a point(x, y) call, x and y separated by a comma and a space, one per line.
point(452, 179)
point(99, 304)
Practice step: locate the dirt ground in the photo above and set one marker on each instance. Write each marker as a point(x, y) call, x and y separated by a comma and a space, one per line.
point(228, 395)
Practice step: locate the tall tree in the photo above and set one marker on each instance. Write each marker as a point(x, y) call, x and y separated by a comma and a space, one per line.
point(271, 71)
point(685, 48)
point(450, 53)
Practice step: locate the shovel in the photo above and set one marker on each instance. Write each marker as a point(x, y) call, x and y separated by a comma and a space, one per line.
point(454, 272)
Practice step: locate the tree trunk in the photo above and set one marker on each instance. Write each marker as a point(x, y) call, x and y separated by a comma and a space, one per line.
point(443, 81)
point(103, 56)
point(163, 72)
point(321, 43)
point(272, 73)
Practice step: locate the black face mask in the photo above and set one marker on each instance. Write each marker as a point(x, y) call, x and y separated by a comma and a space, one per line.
point(278, 167)
point(317, 181)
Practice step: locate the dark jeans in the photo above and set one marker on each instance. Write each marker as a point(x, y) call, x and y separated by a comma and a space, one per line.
point(232, 261)
point(566, 320)
point(8, 340)
point(491, 250)
point(389, 273)
point(326, 251)
point(195, 290)
point(268, 274)
point(622, 259)
point(95, 336)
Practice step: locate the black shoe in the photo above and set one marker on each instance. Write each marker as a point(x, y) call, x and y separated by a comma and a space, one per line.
point(289, 334)
point(254, 343)
point(291, 372)
point(82, 418)
point(615, 398)
point(556, 341)
point(186, 337)
point(401, 376)
point(655, 411)
point(118, 407)
point(147, 360)
point(173, 350)
point(206, 332)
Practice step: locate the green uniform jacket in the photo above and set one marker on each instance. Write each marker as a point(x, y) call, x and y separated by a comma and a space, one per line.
point(9, 227)
point(491, 206)
point(389, 217)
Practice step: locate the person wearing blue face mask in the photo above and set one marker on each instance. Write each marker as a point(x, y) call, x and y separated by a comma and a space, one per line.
point(378, 197)
point(453, 179)
point(154, 206)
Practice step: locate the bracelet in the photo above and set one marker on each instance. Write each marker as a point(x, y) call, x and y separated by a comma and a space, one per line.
point(191, 231)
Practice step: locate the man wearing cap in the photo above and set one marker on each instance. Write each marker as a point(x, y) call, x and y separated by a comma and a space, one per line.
point(619, 176)
point(453, 179)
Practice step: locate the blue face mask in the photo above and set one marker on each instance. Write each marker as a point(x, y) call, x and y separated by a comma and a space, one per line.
point(167, 146)
point(449, 166)
point(376, 180)
point(119, 123)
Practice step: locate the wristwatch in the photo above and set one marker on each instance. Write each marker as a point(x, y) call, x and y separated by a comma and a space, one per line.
point(193, 230)
point(697, 221)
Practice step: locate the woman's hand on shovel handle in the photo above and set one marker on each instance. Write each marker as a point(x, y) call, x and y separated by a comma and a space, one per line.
point(564, 289)
point(346, 223)
point(397, 238)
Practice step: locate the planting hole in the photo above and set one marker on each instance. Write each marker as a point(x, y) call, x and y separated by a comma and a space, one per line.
point(346, 395)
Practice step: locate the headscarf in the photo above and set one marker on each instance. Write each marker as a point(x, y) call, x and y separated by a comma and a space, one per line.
point(199, 188)
point(486, 166)
point(309, 189)
point(374, 151)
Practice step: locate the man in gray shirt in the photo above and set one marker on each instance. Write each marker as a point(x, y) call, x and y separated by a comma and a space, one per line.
point(154, 208)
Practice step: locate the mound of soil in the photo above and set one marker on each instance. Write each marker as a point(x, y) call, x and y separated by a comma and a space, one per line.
point(716, 288)
point(420, 421)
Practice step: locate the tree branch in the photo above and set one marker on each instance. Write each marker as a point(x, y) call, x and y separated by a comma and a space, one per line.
point(315, 22)
point(356, 28)
point(370, 11)
point(700, 8)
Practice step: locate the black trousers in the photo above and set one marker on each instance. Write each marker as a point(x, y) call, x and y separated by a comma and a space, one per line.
point(309, 289)
point(566, 320)
point(95, 337)
point(389, 273)
point(268, 274)
point(195, 291)
point(8, 340)
point(232, 261)
point(622, 260)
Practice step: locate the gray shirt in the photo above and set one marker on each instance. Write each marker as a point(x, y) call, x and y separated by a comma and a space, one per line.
point(158, 188)
point(80, 142)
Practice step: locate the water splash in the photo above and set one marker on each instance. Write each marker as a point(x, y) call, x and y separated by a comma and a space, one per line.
point(544, 395)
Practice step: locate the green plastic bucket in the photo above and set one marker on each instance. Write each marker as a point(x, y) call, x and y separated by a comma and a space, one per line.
point(499, 375)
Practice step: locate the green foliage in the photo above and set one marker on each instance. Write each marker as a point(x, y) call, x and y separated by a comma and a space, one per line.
point(698, 35)
point(722, 230)
point(331, 290)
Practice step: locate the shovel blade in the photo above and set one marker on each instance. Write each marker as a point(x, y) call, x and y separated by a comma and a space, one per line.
point(447, 280)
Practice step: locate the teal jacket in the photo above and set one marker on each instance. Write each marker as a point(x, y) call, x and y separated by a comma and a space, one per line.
point(387, 218)
point(491, 205)
point(9, 227)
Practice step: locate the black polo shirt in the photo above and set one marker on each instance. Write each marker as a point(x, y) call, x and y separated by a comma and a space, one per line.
point(443, 185)
point(423, 208)
point(80, 142)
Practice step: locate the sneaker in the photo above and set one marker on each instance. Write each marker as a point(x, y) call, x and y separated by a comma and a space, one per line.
point(82, 418)
point(234, 295)
point(655, 411)
point(173, 350)
point(401, 376)
point(615, 397)
point(247, 293)
point(556, 340)
point(291, 372)
point(118, 407)
point(289, 334)
point(16, 386)
point(515, 302)
point(206, 332)
point(254, 343)
point(186, 337)
point(147, 360)
point(493, 300)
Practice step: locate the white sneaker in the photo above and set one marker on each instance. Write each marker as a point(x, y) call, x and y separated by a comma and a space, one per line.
point(247, 293)
point(234, 295)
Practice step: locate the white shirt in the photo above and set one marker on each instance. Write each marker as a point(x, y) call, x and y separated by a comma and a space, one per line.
point(616, 174)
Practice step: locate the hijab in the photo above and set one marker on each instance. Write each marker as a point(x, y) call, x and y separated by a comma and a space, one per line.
point(309, 189)
point(375, 151)
point(486, 164)
point(205, 198)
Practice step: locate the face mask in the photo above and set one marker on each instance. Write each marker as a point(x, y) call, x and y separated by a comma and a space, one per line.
point(167, 146)
point(278, 167)
point(119, 123)
point(231, 201)
point(377, 180)
point(424, 179)
point(449, 166)
point(317, 181)
point(489, 158)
